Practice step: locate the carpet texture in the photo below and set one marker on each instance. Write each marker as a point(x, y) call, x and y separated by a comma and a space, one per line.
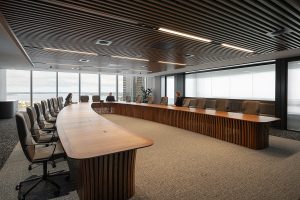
point(186, 165)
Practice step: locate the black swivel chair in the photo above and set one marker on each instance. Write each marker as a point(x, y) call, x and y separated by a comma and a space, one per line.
point(60, 102)
point(43, 155)
point(84, 98)
point(55, 105)
point(51, 109)
point(96, 98)
point(41, 119)
point(46, 112)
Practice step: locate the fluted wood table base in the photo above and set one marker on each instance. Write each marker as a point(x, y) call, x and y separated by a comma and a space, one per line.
point(109, 177)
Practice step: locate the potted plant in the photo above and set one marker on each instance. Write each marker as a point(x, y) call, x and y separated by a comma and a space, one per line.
point(145, 94)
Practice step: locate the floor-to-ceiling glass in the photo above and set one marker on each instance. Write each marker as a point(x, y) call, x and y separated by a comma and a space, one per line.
point(293, 109)
point(108, 84)
point(68, 83)
point(43, 85)
point(89, 85)
point(121, 93)
point(18, 87)
point(170, 89)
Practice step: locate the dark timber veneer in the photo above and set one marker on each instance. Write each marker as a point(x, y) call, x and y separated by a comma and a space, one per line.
point(251, 131)
point(105, 151)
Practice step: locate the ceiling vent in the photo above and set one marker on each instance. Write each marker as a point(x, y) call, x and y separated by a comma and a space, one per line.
point(84, 60)
point(104, 42)
point(279, 32)
point(188, 55)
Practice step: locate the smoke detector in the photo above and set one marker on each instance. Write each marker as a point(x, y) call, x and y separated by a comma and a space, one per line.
point(103, 42)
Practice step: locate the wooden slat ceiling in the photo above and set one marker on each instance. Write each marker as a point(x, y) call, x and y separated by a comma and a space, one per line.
point(131, 26)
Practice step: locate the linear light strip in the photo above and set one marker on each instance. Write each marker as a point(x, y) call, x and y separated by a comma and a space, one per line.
point(130, 58)
point(171, 63)
point(184, 35)
point(69, 51)
point(237, 48)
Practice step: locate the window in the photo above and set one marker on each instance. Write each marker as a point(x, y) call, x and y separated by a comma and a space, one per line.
point(44, 85)
point(243, 83)
point(171, 89)
point(18, 87)
point(68, 83)
point(89, 84)
point(121, 89)
point(108, 84)
point(163, 86)
point(293, 108)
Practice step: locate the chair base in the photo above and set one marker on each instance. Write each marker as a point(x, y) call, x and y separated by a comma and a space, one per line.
point(45, 178)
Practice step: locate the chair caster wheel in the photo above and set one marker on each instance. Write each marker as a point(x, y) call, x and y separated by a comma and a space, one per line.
point(56, 193)
point(18, 187)
point(29, 167)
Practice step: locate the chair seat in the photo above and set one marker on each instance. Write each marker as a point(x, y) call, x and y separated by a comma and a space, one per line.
point(49, 125)
point(52, 120)
point(45, 152)
point(46, 137)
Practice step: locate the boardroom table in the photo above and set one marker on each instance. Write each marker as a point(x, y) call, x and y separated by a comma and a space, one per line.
point(250, 131)
point(104, 151)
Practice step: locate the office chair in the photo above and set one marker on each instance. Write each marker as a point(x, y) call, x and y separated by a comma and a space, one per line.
point(84, 98)
point(43, 124)
point(51, 109)
point(55, 105)
point(250, 107)
point(164, 101)
point(138, 99)
point(201, 103)
point(150, 100)
point(96, 98)
point(186, 102)
point(222, 105)
point(39, 135)
point(128, 99)
point(46, 112)
point(43, 155)
point(60, 102)
point(193, 103)
point(267, 109)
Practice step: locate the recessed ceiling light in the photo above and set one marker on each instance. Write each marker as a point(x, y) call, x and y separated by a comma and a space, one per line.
point(104, 42)
point(69, 51)
point(184, 35)
point(130, 58)
point(189, 55)
point(84, 60)
point(171, 63)
point(75, 68)
point(237, 48)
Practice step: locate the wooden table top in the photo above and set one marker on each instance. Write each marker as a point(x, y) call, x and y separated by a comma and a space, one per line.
point(85, 134)
point(232, 115)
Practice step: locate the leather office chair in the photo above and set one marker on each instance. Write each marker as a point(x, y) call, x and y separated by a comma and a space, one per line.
point(84, 98)
point(164, 101)
point(267, 109)
point(201, 103)
point(138, 99)
point(250, 107)
point(51, 109)
point(193, 103)
point(39, 135)
point(46, 112)
point(150, 100)
point(60, 102)
point(210, 104)
point(43, 154)
point(96, 98)
point(55, 105)
point(41, 119)
point(222, 105)
point(128, 98)
point(186, 102)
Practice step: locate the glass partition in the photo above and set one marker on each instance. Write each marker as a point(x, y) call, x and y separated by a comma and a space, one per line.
point(121, 93)
point(108, 84)
point(43, 85)
point(89, 85)
point(170, 89)
point(68, 83)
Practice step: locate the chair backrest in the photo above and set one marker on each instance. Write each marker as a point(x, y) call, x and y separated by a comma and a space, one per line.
point(250, 107)
point(128, 98)
point(222, 105)
point(164, 101)
point(60, 102)
point(34, 126)
point(267, 109)
point(186, 102)
point(40, 116)
point(23, 127)
point(55, 104)
point(150, 100)
point(45, 109)
point(84, 98)
point(50, 106)
point(138, 99)
point(193, 103)
point(96, 98)
point(201, 103)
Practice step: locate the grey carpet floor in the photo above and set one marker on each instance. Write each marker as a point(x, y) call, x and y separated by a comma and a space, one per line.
point(8, 138)
point(186, 165)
